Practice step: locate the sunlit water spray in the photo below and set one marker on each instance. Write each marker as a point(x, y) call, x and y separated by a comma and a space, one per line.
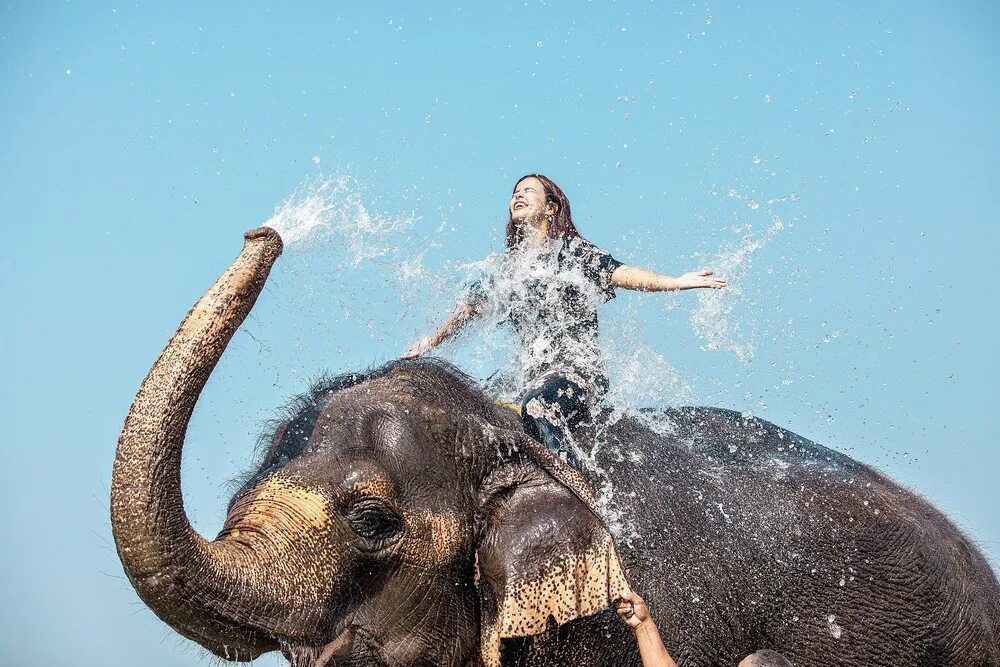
point(354, 269)
point(334, 206)
point(713, 320)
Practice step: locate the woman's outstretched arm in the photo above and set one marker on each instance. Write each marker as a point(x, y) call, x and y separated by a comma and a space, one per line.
point(459, 319)
point(631, 277)
point(634, 612)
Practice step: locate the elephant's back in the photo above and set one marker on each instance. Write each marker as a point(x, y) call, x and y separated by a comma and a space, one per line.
point(716, 436)
point(730, 477)
point(746, 536)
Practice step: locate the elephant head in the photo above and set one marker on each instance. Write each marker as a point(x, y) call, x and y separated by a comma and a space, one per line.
point(398, 516)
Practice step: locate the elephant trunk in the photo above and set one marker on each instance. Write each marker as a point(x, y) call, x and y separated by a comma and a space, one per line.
point(224, 594)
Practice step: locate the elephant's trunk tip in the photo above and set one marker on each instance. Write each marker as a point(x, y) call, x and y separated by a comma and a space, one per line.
point(268, 235)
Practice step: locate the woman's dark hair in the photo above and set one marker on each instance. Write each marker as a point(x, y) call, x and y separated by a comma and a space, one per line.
point(561, 227)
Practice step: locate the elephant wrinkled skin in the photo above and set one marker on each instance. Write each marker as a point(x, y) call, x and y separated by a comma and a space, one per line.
point(400, 517)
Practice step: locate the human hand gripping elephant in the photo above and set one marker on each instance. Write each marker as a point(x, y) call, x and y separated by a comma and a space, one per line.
point(400, 517)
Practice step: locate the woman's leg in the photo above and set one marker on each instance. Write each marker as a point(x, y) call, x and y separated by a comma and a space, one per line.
point(553, 404)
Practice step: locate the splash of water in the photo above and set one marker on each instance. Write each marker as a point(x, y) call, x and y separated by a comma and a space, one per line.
point(335, 205)
point(310, 207)
point(524, 298)
point(713, 319)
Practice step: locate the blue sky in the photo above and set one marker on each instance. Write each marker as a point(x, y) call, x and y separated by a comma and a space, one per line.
point(140, 141)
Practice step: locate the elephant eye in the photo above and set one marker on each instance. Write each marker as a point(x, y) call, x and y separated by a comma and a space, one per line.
point(372, 520)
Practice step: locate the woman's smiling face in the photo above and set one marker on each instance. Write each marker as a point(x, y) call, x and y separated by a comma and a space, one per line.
point(528, 202)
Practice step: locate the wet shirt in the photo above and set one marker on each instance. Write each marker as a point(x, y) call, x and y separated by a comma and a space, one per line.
point(550, 295)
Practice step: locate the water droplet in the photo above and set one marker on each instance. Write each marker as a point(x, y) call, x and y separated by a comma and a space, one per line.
point(756, 159)
point(315, 159)
point(835, 630)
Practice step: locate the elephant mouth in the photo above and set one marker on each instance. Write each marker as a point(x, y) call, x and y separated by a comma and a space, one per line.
point(338, 648)
point(352, 646)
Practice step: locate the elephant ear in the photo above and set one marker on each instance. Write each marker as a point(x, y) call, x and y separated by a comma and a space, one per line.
point(545, 554)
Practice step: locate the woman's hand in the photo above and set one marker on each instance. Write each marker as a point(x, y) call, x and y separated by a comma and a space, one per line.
point(696, 279)
point(633, 610)
point(422, 346)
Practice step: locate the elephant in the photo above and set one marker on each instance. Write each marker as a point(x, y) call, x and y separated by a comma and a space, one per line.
point(400, 516)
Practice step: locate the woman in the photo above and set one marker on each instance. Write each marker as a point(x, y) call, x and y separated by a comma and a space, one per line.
point(549, 285)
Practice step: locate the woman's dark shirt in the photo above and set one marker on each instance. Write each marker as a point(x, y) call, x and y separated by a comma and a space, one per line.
point(550, 295)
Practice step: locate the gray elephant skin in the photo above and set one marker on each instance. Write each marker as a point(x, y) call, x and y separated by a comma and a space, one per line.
point(400, 517)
